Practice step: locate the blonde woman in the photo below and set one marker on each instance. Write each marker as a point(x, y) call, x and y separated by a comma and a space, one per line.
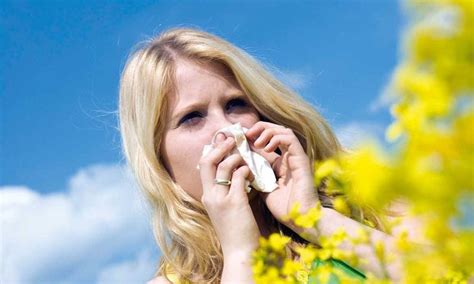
point(176, 91)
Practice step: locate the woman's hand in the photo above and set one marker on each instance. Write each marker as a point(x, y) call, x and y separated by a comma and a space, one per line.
point(292, 168)
point(295, 181)
point(228, 205)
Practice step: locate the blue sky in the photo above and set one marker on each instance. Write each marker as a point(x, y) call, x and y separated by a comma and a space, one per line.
point(59, 75)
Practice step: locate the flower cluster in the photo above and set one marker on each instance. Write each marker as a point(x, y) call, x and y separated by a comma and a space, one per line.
point(429, 167)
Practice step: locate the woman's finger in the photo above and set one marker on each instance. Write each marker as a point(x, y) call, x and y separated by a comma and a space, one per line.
point(271, 130)
point(208, 164)
point(225, 170)
point(285, 143)
point(255, 131)
point(239, 181)
point(264, 137)
point(278, 137)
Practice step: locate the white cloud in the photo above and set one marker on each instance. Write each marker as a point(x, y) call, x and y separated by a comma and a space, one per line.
point(354, 133)
point(99, 224)
point(128, 271)
point(297, 80)
point(446, 19)
point(383, 101)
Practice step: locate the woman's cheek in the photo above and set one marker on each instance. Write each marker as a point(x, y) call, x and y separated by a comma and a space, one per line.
point(196, 148)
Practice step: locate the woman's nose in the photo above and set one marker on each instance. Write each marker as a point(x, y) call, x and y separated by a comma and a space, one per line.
point(222, 120)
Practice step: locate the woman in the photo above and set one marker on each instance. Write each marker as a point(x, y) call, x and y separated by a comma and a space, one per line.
point(176, 91)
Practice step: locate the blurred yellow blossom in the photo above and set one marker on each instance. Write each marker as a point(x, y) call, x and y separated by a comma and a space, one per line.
point(277, 242)
point(305, 220)
point(341, 205)
point(430, 167)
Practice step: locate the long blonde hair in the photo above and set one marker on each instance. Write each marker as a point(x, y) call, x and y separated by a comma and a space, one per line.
point(181, 226)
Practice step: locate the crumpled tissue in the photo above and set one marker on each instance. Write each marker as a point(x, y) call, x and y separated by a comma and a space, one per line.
point(265, 180)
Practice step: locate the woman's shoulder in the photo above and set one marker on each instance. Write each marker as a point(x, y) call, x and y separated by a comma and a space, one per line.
point(159, 280)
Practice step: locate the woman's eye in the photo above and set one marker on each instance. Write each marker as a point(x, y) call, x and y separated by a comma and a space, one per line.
point(191, 119)
point(236, 103)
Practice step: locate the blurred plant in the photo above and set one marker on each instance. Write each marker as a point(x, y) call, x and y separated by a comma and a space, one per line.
point(430, 166)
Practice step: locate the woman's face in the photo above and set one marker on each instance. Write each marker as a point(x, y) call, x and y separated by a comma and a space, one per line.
point(206, 99)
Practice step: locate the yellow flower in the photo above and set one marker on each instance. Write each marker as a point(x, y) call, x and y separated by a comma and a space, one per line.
point(339, 236)
point(325, 254)
point(302, 276)
point(325, 169)
point(310, 218)
point(307, 254)
point(402, 241)
point(394, 131)
point(341, 206)
point(362, 237)
point(291, 267)
point(323, 273)
point(369, 175)
point(305, 220)
point(278, 242)
point(294, 211)
point(380, 251)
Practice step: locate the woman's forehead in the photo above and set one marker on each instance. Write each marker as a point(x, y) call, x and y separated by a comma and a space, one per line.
point(194, 79)
point(187, 70)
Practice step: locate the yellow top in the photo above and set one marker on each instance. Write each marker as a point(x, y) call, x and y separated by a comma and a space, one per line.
point(173, 278)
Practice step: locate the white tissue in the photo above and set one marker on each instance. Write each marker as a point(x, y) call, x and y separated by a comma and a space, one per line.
point(265, 180)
